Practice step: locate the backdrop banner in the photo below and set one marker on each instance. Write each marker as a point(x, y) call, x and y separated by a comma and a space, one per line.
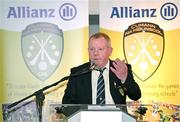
point(145, 34)
point(39, 42)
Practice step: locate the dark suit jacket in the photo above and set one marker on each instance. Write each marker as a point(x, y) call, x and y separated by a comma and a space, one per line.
point(79, 89)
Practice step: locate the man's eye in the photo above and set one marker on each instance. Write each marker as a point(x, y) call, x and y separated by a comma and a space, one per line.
point(93, 49)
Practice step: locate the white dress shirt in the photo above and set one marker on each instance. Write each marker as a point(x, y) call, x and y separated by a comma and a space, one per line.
point(95, 75)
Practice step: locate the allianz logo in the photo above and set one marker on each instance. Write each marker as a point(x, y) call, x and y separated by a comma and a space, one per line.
point(130, 12)
point(67, 11)
point(28, 12)
point(168, 11)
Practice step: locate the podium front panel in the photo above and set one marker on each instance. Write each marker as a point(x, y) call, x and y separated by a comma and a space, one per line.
point(101, 116)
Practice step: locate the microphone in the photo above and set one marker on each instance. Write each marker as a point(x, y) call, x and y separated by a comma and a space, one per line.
point(84, 70)
point(92, 66)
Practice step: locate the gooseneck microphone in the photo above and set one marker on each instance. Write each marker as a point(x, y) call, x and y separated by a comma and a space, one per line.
point(84, 70)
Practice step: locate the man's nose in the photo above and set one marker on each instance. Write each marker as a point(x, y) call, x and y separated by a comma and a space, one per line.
point(96, 52)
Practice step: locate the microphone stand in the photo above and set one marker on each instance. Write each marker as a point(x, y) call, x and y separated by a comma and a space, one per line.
point(40, 94)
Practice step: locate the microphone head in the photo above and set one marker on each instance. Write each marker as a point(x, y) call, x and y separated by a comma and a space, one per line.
point(93, 66)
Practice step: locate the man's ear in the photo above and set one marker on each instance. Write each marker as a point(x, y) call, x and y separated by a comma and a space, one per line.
point(110, 50)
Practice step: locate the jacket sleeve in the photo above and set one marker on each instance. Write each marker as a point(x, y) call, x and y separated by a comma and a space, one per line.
point(132, 89)
point(70, 92)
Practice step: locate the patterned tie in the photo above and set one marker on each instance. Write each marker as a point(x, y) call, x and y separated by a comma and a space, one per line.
point(100, 98)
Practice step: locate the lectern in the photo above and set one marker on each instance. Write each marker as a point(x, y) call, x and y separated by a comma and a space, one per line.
point(101, 116)
point(96, 113)
point(56, 112)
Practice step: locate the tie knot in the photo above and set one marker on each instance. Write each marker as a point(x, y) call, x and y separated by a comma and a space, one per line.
point(101, 70)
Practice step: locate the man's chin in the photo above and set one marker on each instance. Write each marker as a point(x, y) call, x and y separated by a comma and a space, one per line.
point(99, 65)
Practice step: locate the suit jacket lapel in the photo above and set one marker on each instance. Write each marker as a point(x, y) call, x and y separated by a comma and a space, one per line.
point(112, 81)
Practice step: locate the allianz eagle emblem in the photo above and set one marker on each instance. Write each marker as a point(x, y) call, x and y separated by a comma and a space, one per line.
point(144, 48)
point(42, 48)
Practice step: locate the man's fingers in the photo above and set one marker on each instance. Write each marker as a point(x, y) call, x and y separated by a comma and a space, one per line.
point(119, 62)
point(113, 70)
point(115, 65)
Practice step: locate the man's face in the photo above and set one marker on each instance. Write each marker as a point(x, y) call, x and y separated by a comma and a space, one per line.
point(99, 51)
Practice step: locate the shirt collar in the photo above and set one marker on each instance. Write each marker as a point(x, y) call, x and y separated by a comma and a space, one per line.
point(107, 65)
